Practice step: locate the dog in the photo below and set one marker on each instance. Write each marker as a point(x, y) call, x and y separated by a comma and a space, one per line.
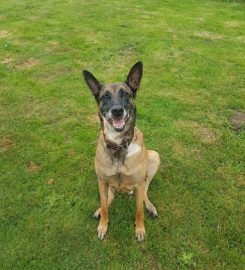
point(122, 163)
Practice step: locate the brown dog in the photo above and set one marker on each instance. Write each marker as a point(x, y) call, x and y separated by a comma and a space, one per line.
point(122, 162)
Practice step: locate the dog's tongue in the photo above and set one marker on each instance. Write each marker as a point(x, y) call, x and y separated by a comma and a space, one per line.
point(118, 123)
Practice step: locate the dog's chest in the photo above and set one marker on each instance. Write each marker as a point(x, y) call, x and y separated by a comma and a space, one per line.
point(125, 169)
point(126, 163)
point(133, 149)
point(123, 175)
point(122, 181)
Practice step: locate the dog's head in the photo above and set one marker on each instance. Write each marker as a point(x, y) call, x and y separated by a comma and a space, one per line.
point(116, 101)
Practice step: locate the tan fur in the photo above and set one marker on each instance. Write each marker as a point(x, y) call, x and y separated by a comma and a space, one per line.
point(135, 172)
point(122, 162)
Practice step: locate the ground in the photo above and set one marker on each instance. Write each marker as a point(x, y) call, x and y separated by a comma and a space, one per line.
point(193, 86)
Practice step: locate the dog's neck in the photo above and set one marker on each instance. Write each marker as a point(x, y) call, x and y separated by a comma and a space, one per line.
point(117, 140)
point(111, 136)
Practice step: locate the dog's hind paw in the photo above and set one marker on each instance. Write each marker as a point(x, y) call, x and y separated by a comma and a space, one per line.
point(97, 213)
point(153, 213)
point(151, 210)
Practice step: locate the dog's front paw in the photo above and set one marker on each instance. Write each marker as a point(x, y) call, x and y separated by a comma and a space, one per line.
point(140, 233)
point(101, 230)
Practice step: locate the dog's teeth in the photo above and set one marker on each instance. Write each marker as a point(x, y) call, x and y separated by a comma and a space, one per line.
point(118, 123)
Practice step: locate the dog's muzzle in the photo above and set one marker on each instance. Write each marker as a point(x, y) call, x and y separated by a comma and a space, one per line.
point(117, 111)
point(119, 118)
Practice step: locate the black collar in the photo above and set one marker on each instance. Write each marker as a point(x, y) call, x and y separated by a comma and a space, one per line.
point(123, 146)
point(116, 147)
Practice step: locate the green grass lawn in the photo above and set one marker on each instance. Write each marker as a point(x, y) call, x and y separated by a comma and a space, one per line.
point(194, 66)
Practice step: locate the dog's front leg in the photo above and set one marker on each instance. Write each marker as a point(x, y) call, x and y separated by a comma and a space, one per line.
point(139, 222)
point(102, 228)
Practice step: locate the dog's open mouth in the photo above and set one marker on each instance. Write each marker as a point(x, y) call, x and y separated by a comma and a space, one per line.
point(119, 123)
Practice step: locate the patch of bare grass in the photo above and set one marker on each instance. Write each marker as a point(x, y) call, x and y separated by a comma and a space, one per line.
point(233, 24)
point(4, 33)
point(52, 45)
point(203, 133)
point(177, 148)
point(238, 120)
point(6, 144)
point(8, 61)
point(27, 64)
point(33, 167)
point(209, 35)
point(191, 97)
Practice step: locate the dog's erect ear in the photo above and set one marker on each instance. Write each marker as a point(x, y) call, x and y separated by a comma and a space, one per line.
point(134, 76)
point(92, 83)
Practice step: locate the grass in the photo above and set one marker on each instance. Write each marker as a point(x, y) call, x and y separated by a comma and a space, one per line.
point(193, 55)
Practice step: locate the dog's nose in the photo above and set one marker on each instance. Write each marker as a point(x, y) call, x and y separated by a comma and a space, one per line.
point(117, 111)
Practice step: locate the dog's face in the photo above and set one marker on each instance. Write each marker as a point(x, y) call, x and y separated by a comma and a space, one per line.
point(116, 101)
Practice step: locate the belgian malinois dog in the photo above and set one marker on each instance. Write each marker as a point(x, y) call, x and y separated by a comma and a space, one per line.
point(122, 162)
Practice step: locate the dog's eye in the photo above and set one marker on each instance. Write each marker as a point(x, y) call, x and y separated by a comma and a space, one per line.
point(106, 96)
point(124, 93)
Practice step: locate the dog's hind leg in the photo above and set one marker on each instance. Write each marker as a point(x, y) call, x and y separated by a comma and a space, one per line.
point(153, 164)
point(109, 201)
